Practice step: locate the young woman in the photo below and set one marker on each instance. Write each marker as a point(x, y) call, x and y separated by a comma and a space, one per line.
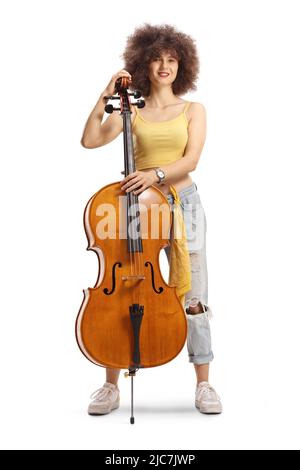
point(169, 134)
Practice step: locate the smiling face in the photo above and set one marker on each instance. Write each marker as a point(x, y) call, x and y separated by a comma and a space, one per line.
point(163, 69)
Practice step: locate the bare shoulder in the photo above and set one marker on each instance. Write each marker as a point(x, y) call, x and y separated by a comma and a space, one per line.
point(197, 105)
point(196, 110)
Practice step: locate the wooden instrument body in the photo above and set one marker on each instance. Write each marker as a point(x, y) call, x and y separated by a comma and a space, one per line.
point(103, 328)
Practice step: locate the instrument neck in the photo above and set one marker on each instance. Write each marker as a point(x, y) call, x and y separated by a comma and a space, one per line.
point(129, 162)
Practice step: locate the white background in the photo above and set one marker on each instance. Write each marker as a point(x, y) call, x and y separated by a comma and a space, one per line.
point(57, 57)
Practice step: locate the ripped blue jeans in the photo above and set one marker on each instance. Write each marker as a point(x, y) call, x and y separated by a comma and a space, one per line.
point(198, 334)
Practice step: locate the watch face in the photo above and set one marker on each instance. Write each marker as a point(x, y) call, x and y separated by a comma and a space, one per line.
point(160, 173)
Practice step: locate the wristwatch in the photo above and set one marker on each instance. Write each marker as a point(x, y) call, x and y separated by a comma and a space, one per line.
point(160, 174)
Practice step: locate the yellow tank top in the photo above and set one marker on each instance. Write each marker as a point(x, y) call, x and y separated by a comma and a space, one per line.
point(159, 143)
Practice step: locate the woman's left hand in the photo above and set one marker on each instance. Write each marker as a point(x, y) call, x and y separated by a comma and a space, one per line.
point(138, 181)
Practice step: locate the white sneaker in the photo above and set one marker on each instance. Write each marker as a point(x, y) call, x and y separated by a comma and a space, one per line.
point(206, 399)
point(106, 399)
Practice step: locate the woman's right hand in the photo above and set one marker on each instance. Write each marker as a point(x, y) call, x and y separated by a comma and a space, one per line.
point(110, 89)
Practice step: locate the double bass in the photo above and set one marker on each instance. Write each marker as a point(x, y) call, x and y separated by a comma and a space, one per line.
point(131, 319)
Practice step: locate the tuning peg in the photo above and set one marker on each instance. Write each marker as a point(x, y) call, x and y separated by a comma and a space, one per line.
point(140, 103)
point(110, 109)
point(113, 97)
point(136, 94)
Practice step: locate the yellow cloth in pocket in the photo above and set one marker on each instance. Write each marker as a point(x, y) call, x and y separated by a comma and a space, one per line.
point(180, 269)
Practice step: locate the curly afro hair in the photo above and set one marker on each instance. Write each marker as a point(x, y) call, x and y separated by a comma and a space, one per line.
point(149, 41)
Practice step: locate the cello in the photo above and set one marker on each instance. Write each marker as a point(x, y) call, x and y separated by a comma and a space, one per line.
point(131, 318)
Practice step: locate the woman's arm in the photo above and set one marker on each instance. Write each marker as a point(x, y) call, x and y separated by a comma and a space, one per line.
point(96, 134)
